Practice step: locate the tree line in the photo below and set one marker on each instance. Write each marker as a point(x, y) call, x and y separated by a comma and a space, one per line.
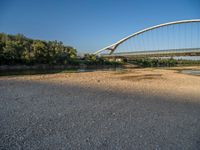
point(158, 62)
point(18, 49)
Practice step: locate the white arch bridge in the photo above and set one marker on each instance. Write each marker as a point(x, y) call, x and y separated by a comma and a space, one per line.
point(177, 38)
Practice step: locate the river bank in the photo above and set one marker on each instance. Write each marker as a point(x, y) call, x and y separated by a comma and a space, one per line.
point(151, 108)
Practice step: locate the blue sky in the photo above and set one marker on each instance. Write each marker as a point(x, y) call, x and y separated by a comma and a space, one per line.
point(89, 25)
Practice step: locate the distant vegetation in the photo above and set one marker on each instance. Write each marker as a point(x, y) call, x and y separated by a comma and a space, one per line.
point(158, 62)
point(20, 50)
point(91, 59)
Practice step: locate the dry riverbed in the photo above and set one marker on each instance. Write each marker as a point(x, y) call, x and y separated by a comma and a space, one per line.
point(130, 109)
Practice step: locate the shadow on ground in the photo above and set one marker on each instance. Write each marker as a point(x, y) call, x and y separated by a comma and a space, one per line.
point(37, 115)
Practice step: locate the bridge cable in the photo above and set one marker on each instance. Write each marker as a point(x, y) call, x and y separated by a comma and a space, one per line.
point(156, 39)
point(179, 36)
point(185, 35)
point(153, 41)
point(198, 33)
point(191, 36)
point(142, 40)
point(174, 36)
point(167, 35)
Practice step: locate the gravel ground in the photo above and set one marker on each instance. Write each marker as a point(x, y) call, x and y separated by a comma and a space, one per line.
point(140, 109)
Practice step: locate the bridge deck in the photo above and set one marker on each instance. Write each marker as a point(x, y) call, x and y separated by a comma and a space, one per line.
point(171, 52)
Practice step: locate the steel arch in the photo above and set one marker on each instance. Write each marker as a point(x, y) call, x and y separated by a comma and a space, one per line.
point(113, 47)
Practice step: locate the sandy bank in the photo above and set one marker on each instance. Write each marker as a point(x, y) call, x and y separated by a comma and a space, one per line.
point(131, 109)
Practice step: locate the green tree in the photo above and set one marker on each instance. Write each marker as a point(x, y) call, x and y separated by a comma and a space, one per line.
point(40, 52)
point(2, 59)
point(12, 52)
